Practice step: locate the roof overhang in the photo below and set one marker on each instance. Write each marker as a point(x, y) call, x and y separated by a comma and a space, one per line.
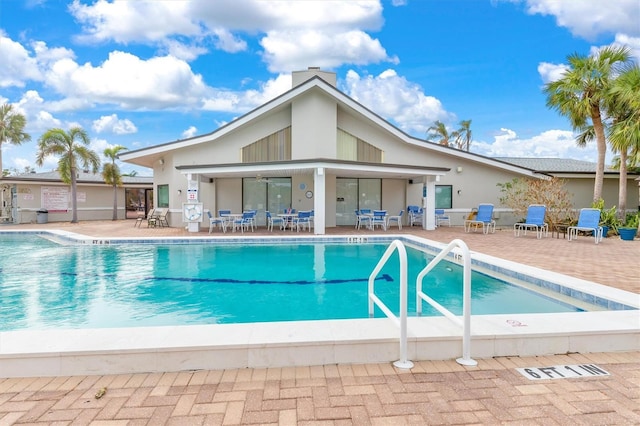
point(308, 167)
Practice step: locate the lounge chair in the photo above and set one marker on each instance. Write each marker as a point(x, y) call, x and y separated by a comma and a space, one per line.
point(397, 219)
point(534, 221)
point(442, 218)
point(588, 221)
point(217, 221)
point(484, 218)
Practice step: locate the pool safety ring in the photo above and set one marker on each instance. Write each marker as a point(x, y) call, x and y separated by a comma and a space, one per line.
point(192, 212)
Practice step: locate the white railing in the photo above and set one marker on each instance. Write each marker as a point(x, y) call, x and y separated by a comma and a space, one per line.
point(403, 362)
point(466, 296)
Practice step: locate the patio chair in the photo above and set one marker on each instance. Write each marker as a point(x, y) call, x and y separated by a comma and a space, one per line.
point(303, 220)
point(161, 218)
point(397, 219)
point(217, 221)
point(442, 218)
point(379, 218)
point(362, 219)
point(274, 221)
point(244, 222)
point(415, 215)
point(534, 221)
point(588, 221)
point(484, 218)
point(152, 218)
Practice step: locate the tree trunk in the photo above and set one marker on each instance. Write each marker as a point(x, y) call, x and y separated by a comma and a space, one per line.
point(601, 144)
point(622, 190)
point(115, 202)
point(74, 197)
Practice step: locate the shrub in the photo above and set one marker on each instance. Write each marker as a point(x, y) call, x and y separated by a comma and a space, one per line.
point(519, 193)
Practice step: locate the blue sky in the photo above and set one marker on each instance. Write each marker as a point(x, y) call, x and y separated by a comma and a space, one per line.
point(140, 73)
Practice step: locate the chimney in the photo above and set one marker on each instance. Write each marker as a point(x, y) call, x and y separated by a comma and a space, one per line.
point(299, 77)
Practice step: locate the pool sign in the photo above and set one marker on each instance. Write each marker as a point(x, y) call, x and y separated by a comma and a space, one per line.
point(562, 372)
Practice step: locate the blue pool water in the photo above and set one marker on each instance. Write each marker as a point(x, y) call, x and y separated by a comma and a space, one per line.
point(47, 285)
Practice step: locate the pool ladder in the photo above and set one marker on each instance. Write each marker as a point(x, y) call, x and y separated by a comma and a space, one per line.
point(460, 252)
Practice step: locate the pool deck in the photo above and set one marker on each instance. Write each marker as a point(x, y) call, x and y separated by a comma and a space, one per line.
point(433, 392)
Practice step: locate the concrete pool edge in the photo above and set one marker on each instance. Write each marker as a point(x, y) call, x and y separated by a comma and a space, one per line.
point(303, 343)
point(263, 345)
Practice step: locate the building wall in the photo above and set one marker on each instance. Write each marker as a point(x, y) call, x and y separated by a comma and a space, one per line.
point(313, 127)
point(95, 203)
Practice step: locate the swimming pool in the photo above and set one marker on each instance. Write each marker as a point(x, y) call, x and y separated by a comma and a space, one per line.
point(59, 351)
point(134, 285)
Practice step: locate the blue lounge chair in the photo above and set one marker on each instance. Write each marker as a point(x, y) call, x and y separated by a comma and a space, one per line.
point(534, 221)
point(484, 218)
point(588, 221)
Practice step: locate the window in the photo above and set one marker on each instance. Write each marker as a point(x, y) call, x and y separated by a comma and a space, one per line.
point(443, 196)
point(163, 196)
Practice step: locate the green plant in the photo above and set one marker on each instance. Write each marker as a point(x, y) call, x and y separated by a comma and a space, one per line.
point(632, 221)
point(608, 217)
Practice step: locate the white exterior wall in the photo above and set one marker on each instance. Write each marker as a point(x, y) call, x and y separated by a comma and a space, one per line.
point(313, 128)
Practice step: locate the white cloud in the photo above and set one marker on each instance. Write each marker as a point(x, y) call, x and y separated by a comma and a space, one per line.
point(130, 82)
point(133, 21)
point(292, 50)
point(590, 18)
point(228, 101)
point(39, 119)
point(322, 33)
point(548, 144)
point(111, 123)
point(395, 98)
point(17, 65)
point(189, 133)
point(551, 72)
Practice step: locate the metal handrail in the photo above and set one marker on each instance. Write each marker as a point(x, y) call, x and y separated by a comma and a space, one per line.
point(466, 297)
point(403, 362)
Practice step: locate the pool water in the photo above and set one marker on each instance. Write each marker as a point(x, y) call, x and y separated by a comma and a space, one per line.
point(47, 285)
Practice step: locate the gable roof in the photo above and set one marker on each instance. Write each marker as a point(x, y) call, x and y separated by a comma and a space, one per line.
point(83, 178)
point(147, 156)
point(555, 165)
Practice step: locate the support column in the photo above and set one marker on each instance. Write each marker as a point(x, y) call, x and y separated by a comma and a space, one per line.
point(319, 201)
point(429, 203)
point(193, 187)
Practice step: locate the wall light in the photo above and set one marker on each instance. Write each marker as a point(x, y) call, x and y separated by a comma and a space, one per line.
point(179, 191)
point(459, 169)
point(161, 161)
point(459, 191)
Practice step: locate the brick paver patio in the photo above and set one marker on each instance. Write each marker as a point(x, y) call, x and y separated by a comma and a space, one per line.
point(433, 392)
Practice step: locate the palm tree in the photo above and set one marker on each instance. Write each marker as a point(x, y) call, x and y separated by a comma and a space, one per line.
point(439, 131)
point(463, 135)
point(73, 151)
point(579, 95)
point(11, 128)
point(623, 105)
point(111, 174)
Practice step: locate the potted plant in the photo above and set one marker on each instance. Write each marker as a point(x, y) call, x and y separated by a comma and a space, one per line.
point(629, 228)
point(608, 218)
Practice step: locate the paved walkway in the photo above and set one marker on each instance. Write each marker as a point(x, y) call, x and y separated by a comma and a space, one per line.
point(434, 392)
